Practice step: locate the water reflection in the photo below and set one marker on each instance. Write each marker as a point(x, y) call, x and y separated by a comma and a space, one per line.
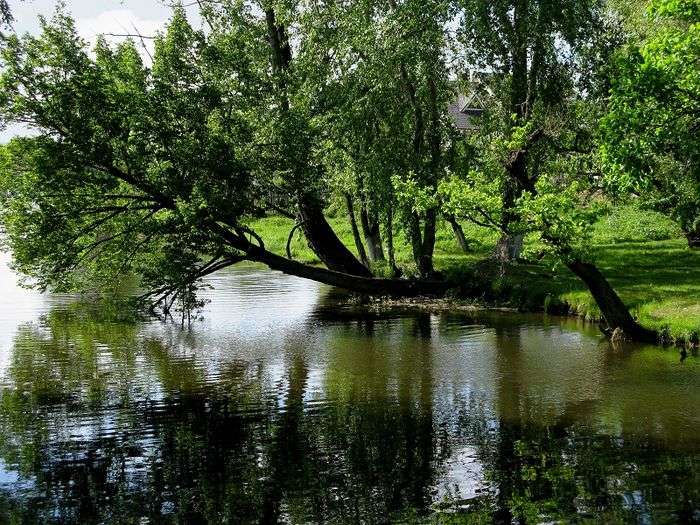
point(283, 407)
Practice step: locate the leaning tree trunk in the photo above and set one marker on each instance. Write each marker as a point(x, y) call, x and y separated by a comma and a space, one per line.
point(355, 231)
point(321, 237)
point(370, 228)
point(355, 283)
point(324, 242)
point(459, 233)
point(614, 311)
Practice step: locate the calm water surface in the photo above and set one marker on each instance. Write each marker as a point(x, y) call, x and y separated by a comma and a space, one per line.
point(286, 405)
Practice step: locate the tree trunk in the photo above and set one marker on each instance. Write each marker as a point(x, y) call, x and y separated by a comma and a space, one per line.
point(459, 233)
point(614, 311)
point(281, 53)
point(426, 265)
point(422, 257)
point(509, 248)
point(390, 241)
point(321, 237)
point(324, 242)
point(435, 141)
point(355, 232)
point(370, 228)
point(354, 283)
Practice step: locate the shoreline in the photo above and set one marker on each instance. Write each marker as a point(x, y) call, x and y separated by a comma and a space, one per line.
point(437, 305)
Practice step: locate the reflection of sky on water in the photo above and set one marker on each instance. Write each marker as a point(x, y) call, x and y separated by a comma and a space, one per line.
point(270, 345)
point(17, 306)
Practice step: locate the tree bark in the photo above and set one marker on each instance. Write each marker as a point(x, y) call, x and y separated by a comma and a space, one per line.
point(614, 311)
point(390, 241)
point(373, 238)
point(324, 242)
point(459, 233)
point(355, 283)
point(355, 231)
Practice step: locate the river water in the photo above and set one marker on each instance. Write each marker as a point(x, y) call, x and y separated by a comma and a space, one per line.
point(285, 404)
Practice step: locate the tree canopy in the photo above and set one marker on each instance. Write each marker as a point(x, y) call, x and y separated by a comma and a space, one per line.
point(153, 166)
point(651, 134)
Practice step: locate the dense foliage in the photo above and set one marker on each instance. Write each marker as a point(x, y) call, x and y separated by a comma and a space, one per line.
point(155, 166)
point(652, 131)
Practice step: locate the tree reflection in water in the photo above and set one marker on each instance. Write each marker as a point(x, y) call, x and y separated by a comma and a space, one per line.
point(367, 421)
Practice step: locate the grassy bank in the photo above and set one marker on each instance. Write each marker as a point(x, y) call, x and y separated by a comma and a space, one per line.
point(642, 253)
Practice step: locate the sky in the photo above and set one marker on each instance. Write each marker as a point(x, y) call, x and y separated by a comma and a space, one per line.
point(94, 17)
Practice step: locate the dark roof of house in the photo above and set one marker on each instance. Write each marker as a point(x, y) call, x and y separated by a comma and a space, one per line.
point(464, 111)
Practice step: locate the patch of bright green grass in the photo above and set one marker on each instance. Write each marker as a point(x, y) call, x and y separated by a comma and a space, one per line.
point(658, 280)
point(642, 254)
point(275, 232)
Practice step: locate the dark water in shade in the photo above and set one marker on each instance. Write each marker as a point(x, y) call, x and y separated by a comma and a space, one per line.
point(283, 407)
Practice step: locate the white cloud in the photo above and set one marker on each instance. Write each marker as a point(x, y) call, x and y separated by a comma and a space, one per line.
point(119, 22)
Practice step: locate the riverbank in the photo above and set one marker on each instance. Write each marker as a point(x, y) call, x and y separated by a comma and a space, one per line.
point(642, 253)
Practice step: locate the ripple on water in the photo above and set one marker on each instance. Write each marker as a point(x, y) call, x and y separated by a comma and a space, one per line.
point(282, 400)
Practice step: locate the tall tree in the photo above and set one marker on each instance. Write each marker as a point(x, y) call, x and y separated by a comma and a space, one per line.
point(150, 170)
point(535, 171)
point(522, 45)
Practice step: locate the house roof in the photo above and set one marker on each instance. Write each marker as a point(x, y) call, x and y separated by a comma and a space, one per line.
point(464, 110)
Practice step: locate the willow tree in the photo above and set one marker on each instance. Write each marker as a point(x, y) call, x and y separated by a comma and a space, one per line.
point(152, 170)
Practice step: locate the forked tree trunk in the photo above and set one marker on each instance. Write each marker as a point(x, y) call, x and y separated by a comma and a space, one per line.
point(614, 311)
point(355, 231)
point(373, 238)
point(324, 242)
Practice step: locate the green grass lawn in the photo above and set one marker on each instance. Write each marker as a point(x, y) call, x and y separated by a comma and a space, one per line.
point(642, 253)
